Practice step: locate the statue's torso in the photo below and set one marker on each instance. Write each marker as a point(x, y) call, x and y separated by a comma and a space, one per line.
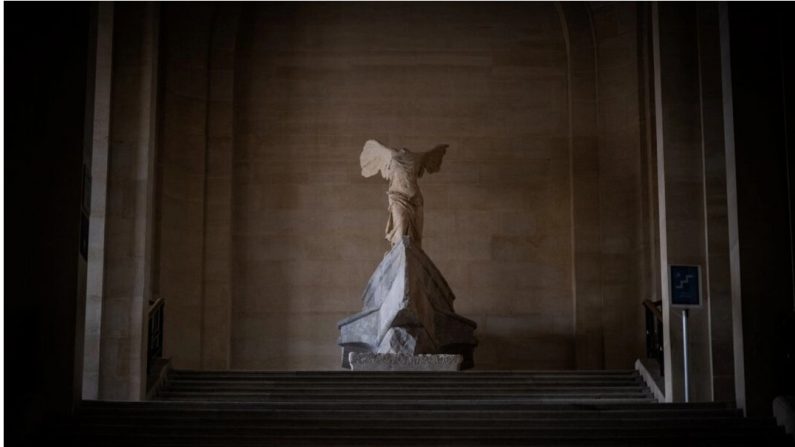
point(403, 172)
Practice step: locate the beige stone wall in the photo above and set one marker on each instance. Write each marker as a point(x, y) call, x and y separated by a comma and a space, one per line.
point(314, 84)
point(533, 218)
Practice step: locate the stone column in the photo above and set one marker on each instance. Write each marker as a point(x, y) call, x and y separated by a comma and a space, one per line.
point(717, 273)
point(99, 184)
point(619, 165)
point(605, 173)
point(671, 381)
point(584, 175)
point(217, 267)
point(191, 166)
point(692, 196)
point(129, 209)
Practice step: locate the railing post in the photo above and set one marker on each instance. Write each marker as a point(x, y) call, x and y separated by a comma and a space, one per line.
point(654, 333)
point(155, 338)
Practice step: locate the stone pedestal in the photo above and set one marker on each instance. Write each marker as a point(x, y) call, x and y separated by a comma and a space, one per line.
point(367, 361)
point(407, 309)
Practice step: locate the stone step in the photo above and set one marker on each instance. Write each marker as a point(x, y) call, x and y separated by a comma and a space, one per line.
point(438, 375)
point(415, 392)
point(401, 385)
point(441, 441)
point(309, 429)
point(363, 394)
point(451, 438)
point(370, 405)
point(457, 394)
point(577, 399)
point(339, 398)
point(434, 392)
point(449, 423)
point(410, 382)
point(374, 389)
point(529, 386)
point(408, 415)
point(385, 422)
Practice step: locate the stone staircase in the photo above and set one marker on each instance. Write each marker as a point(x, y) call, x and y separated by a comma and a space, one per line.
point(566, 408)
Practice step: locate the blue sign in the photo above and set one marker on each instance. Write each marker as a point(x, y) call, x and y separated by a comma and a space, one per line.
point(685, 285)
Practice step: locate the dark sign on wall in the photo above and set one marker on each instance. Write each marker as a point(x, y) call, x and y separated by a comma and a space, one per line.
point(685, 283)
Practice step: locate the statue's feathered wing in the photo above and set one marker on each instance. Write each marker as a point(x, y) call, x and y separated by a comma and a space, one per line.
point(432, 160)
point(375, 157)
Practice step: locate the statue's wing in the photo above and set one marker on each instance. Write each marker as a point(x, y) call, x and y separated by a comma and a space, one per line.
point(432, 160)
point(375, 157)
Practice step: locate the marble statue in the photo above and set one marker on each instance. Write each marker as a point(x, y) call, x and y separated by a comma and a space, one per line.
point(407, 306)
point(401, 168)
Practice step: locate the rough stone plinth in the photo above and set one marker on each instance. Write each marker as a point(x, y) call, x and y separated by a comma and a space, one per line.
point(368, 361)
point(407, 309)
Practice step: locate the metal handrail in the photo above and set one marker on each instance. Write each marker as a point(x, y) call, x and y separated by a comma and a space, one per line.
point(654, 332)
point(655, 307)
point(155, 336)
point(155, 304)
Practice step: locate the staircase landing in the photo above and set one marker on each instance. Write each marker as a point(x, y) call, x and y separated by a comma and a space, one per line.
point(561, 408)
